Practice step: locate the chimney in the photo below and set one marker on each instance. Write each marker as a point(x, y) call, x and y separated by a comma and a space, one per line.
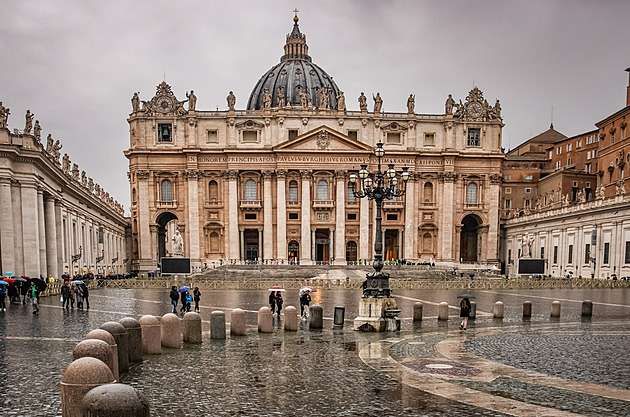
point(628, 88)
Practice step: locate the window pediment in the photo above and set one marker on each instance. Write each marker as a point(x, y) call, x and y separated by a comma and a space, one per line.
point(249, 125)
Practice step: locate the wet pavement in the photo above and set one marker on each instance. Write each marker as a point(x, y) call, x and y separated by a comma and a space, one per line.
point(566, 366)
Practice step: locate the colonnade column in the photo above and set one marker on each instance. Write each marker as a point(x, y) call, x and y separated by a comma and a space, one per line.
point(144, 197)
point(306, 244)
point(18, 241)
point(267, 252)
point(281, 240)
point(411, 227)
point(340, 218)
point(492, 248)
point(60, 239)
point(233, 235)
point(51, 237)
point(192, 177)
point(42, 233)
point(448, 205)
point(30, 230)
point(6, 226)
point(364, 231)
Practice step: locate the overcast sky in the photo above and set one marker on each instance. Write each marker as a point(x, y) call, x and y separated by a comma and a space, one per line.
point(76, 64)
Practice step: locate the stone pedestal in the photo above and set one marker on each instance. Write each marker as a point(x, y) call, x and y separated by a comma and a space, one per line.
point(134, 339)
point(171, 331)
point(217, 325)
point(94, 348)
point(265, 320)
point(417, 311)
point(107, 337)
point(473, 310)
point(377, 315)
point(121, 337)
point(443, 311)
point(498, 310)
point(317, 317)
point(527, 309)
point(115, 400)
point(192, 327)
point(555, 309)
point(151, 335)
point(237, 322)
point(290, 319)
point(587, 308)
point(80, 377)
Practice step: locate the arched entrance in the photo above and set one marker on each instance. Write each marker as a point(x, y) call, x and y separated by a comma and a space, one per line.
point(294, 252)
point(163, 230)
point(468, 247)
point(351, 252)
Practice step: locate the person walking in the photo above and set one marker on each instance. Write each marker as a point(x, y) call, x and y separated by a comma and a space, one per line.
point(13, 293)
point(33, 294)
point(79, 296)
point(272, 302)
point(86, 295)
point(24, 289)
point(65, 295)
point(73, 292)
point(188, 301)
point(3, 293)
point(197, 297)
point(174, 298)
point(183, 300)
point(279, 302)
point(464, 313)
point(305, 302)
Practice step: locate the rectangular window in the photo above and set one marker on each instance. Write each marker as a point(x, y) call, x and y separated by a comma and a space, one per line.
point(588, 168)
point(250, 216)
point(393, 138)
point(392, 217)
point(100, 235)
point(508, 190)
point(606, 252)
point(509, 256)
point(507, 177)
point(570, 261)
point(250, 136)
point(353, 134)
point(623, 133)
point(568, 161)
point(293, 133)
point(542, 252)
point(612, 138)
point(429, 139)
point(588, 155)
point(627, 257)
point(529, 177)
point(293, 193)
point(508, 203)
point(350, 194)
point(555, 254)
point(165, 131)
point(294, 216)
point(528, 203)
point(569, 147)
point(528, 190)
point(587, 253)
point(352, 216)
point(213, 136)
point(474, 135)
point(550, 155)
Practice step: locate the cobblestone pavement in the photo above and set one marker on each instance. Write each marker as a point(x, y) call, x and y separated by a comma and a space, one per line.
point(325, 373)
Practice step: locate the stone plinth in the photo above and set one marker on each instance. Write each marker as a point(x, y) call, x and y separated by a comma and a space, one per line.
point(473, 310)
point(107, 337)
point(217, 325)
point(443, 311)
point(265, 320)
point(95, 348)
point(115, 400)
point(291, 321)
point(587, 308)
point(80, 377)
point(120, 335)
point(527, 309)
point(192, 327)
point(555, 309)
point(317, 317)
point(134, 339)
point(151, 335)
point(237, 323)
point(372, 315)
point(417, 311)
point(171, 331)
point(498, 310)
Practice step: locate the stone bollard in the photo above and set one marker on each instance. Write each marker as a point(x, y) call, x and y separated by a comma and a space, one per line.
point(171, 331)
point(265, 320)
point(587, 308)
point(107, 337)
point(473, 310)
point(498, 310)
point(134, 339)
point(527, 309)
point(417, 311)
point(121, 337)
point(80, 377)
point(151, 335)
point(95, 348)
point(192, 327)
point(290, 319)
point(317, 317)
point(443, 311)
point(237, 323)
point(555, 309)
point(115, 400)
point(217, 325)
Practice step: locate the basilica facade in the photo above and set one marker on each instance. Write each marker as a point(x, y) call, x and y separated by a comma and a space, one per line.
point(271, 182)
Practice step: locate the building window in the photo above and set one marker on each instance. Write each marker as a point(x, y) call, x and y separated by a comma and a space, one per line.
point(471, 193)
point(353, 134)
point(508, 203)
point(351, 251)
point(293, 133)
point(569, 147)
point(214, 242)
point(393, 138)
point(528, 190)
point(588, 168)
point(606, 252)
point(542, 252)
point(627, 257)
point(250, 216)
point(250, 136)
point(528, 203)
point(558, 151)
point(165, 131)
point(166, 189)
point(429, 139)
point(352, 216)
point(293, 191)
point(529, 177)
point(568, 161)
point(473, 137)
point(587, 253)
point(509, 256)
point(213, 136)
point(550, 154)
point(322, 190)
point(555, 255)
point(570, 261)
point(294, 216)
point(250, 190)
point(213, 191)
point(427, 192)
point(507, 177)
point(350, 194)
point(508, 190)
point(392, 217)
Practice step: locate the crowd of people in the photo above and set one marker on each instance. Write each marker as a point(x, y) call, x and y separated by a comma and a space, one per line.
point(183, 295)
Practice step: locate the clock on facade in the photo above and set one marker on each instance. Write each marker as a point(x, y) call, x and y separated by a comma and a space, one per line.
point(164, 104)
point(475, 109)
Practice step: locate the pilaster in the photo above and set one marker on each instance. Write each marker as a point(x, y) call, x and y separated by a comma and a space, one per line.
point(411, 222)
point(281, 240)
point(6, 226)
point(233, 211)
point(306, 244)
point(267, 252)
point(43, 268)
point(340, 219)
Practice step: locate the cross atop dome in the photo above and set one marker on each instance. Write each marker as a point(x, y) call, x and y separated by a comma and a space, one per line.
point(296, 46)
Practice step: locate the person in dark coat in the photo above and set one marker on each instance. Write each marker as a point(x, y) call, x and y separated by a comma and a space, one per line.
point(65, 294)
point(272, 302)
point(174, 298)
point(13, 293)
point(305, 301)
point(464, 313)
point(197, 297)
point(183, 300)
point(279, 302)
point(86, 295)
point(24, 287)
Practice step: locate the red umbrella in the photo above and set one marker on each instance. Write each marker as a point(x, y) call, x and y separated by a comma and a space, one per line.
point(276, 288)
point(9, 280)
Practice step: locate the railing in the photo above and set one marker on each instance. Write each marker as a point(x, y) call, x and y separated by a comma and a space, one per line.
point(323, 204)
point(166, 204)
point(250, 204)
point(393, 205)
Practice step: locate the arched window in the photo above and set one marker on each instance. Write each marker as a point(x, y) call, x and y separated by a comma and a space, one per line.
point(471, 193)
point(322, 190)
point(213, 191)
point(427, 194)
point(351, 196)
point(351, 251)
point(167, 191)
point(293, 191)
point(250, 190)
point(214, 242)
point(427, 242)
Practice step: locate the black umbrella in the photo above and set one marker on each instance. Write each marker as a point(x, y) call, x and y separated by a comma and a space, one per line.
point(466, 296)
point(40, 284)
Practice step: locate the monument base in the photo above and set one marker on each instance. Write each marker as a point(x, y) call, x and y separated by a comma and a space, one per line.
point(377, 315)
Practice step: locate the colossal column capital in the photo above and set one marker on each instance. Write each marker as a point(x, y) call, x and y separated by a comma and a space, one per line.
point(281, 174)
point(230, 174)
point(267, 174)
point(142, 174)
point(306, 174)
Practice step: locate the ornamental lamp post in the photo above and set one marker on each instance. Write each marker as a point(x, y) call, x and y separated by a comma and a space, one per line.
point(376, 292)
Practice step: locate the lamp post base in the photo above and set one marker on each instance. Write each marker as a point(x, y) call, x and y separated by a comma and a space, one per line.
point(377, 314)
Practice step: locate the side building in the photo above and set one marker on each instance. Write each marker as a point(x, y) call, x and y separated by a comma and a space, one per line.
point(270, 183)
point(54, 218)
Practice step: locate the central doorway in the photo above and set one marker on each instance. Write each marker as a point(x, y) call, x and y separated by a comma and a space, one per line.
point(167, 224)
point(390, 240)
point(469, 237)
point(250, 242)
point(322, 245)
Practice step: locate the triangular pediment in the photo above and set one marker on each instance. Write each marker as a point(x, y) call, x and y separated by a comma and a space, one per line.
point(323, 139)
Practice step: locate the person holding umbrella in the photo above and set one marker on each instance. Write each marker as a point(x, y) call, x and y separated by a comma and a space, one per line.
point(464, 310)
point(272, 302)
point(279, 302)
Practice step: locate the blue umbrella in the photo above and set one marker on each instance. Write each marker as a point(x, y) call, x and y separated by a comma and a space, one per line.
point(9, 273)
point(183, 289)
point(4, 283)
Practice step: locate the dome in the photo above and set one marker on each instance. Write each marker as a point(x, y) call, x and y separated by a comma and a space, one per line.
point(296, 73)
